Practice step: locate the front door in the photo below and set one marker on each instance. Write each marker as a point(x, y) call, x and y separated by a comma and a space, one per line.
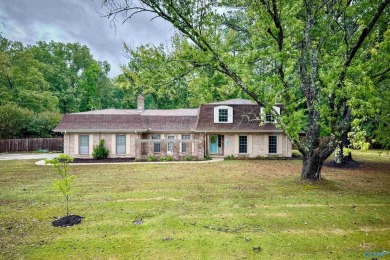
point(213, 144)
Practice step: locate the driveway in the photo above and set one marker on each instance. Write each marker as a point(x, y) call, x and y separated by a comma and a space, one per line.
point(27, 156)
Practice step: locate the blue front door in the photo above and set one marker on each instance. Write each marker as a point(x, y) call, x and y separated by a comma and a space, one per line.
point(213, 144)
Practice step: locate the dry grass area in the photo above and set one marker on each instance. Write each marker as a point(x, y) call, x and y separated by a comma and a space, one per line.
point(226, 210)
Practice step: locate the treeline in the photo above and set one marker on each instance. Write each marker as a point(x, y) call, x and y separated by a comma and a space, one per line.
point(39, 83)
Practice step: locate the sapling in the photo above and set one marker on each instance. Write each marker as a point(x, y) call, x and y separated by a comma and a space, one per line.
point(61, 164)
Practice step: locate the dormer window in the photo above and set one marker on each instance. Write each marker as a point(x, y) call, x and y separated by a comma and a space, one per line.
point(223, 114)
point(269, 118)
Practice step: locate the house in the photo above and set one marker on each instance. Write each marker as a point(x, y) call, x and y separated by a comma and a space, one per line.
point(216, 129)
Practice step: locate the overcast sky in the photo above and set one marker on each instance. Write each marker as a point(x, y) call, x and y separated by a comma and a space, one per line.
point(30, 21)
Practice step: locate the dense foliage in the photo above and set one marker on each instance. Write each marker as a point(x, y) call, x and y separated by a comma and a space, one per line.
point(312, 56)
point(159, 73)
point(40, 82)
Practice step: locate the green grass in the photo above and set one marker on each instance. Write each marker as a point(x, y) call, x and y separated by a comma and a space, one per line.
point(198, 211)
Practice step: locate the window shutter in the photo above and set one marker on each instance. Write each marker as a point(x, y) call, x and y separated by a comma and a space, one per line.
point(236, 144)
point(127, 143)
point(216, 118)
point(230, 115)
point(278, 111)
point(279, 144)
point(250, 150)
point(76, 143)
point(113, 144)
point(90, 144)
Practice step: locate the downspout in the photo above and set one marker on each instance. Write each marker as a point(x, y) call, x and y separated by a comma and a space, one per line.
point(205, 144)
point(286, 147)
point(135, 152)
point(68, 143)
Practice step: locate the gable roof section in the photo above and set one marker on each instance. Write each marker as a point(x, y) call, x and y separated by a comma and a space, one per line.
point(148, 112)
point(100, 122)
point(170, 123)
point(245, 118)
point(237, 101)
point(129, 120)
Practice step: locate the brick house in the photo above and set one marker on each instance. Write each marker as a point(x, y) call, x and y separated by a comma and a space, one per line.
point(216, 129)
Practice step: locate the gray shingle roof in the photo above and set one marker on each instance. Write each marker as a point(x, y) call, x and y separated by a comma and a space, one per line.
point(148, 112)
point(71, 122)
point(245, 113)
point(245, 118)
point(237, 101)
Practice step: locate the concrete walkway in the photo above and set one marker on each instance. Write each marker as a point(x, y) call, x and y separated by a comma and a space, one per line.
point(27, 156)
point(42, 162)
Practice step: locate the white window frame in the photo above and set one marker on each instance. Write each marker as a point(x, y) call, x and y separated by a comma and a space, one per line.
point(247, 144)
point(170, 137)
point(276, 144)
point(264, 115)
point(229, 116)
point(155, 144)
point(81, 150)
point(124, 144)
point(185, 144)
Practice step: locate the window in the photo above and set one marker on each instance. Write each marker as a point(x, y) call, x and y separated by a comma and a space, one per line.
point(220, 140)
point(184, 145)
point(223, 115)
point(170, 144)
point(272, 144)
point(157, 146)
point(121, 144)
point(269, 118)
point(243, 144)
point(269, 115)
point(84, 144)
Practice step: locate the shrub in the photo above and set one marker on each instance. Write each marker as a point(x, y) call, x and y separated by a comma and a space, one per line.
point(151, 158)
point(169, 158)
point(14, 121)
point(207, 157)
point(187, 158)
point(42, 124)
point(162, 159)
point(100, 152)
point(296, 154)
point(229, 157)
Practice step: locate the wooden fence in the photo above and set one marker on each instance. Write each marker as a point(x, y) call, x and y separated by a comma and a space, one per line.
point(31, 144)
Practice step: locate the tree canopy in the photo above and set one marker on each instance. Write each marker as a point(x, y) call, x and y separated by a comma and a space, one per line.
point(313, 56)
point(40, 82)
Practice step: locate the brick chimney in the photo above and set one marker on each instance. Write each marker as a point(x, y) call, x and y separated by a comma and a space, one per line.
point(140, 103)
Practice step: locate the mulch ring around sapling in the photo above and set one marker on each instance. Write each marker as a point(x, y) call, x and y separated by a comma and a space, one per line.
point(67, 221)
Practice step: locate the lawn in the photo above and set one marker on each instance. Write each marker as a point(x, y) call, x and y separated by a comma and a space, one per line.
point(224, 210)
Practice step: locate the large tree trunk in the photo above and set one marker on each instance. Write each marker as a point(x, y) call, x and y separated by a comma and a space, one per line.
point(312, 165)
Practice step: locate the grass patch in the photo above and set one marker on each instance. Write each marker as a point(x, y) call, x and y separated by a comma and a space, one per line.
point(225, 210)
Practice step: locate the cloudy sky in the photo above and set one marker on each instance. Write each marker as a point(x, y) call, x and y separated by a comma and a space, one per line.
point(80, 21)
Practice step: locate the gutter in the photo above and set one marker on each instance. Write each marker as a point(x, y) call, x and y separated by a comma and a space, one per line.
point(99, 130)
point(240, 131)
